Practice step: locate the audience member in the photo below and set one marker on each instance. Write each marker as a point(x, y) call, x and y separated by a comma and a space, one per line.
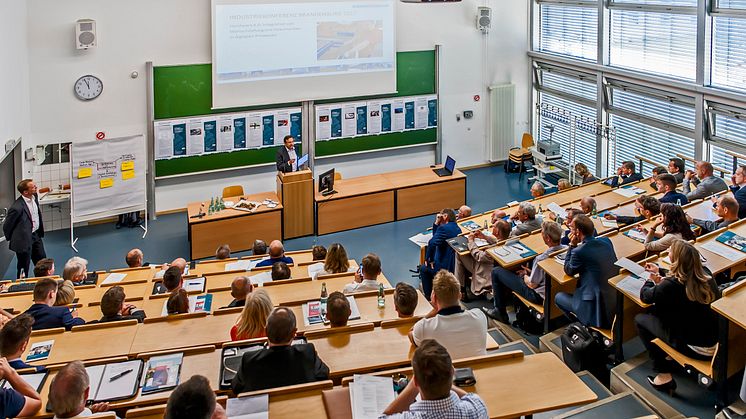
point(433, 383)
point(676, 168)
point(682, 317)
point(528, 282)
point(439, 255)
point(570, 216)
point(240, 287)
point(14, 337)
point(134, 258)
point(366, 279)
point(20, 400)
point(592, 259)
point(525, 220)
point(5, 317)
point(658, 170)
point(478, 263)
point(405, 300)
point(280, 271)
point(584, 173)
point(45, 315)
point(75, 270)
point(115, 309)
point(172, 279)
point(178, 302)
point(667, 184)
point(65, 293)
point(44, 267)
point(318, 252)
point(537, 190)
point(180, 263)
point(69, 393)
point(281, 364)
point(336, 261)
point(259, 248)
point(675, 226)
point(727, 212)
point(563, 184)
point(739, 192)
point(276, 254)
point(223, 252)
point(194, 399)
point(588, 205)
point(646, 207)
point(463, 212)
point(253, 319)
point(625, 174)
point(709, 184)
point(461, 331)
point(337, 309)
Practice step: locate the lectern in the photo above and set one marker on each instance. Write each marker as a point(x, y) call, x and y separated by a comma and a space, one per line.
point(295, 190)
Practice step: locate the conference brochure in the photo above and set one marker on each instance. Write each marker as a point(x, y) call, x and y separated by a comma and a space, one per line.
point(162, 373)
point(733, 240)
point(39, 351)
point(312, 313)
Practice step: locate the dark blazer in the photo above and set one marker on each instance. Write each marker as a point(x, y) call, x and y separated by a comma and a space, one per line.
point(279, 366)
point(236, 303)
point(594, 300)
point(46, 317)
point(634, 177)
point(438, 250)
point(283, 160)
point(17, 226)
point(740, 195)
point(672, 197)
point(272, 261)
point(627, 220)
point(18, 364)
point(138, 315)
point(688, 322)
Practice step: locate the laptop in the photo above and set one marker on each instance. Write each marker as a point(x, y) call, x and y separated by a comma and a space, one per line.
point(447, 170)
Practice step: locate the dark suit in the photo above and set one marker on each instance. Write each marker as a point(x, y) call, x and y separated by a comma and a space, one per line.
point(673, 196)
point(236, 303)
point(634, 177)
point(17, 230)
point(740, 194)
point(439, 253)
point(46, 317)
point(279, 366)
point(18, 364)
point(138, 315)
point(594, 300)
point(283, 160)
point(271, 261)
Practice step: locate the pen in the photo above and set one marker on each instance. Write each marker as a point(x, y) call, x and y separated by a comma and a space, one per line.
point(120, 375)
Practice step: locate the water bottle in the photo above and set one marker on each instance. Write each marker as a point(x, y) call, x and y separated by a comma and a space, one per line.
point(594, 212)
point(678, 202)
point(323, 298)
point(485, 224)
point(381, 297)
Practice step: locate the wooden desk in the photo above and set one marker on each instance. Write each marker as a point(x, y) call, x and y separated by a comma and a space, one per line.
point(133, 275)
point(236, 228)
point(218, 266)
point(422, 192)
point(533, 241)
point(301, 292)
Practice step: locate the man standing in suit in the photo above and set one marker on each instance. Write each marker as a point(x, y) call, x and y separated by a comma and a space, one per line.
point(739, 191)
point(282, 363)
point(439, 254)
point(593, 301)
point(24, 228)
point(287, 159)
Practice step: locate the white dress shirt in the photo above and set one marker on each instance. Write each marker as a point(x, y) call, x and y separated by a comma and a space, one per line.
point(34, 211)
point(293, 156)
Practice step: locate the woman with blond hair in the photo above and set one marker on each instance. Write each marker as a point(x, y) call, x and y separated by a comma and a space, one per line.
point(253, 319)
point(584, 173)
point(682, 316)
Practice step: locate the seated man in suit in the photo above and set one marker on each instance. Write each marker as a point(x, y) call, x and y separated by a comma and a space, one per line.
point(134, 259)
point(276, 254)
point(462, 332)
point(405, 300)
point(739, 192)
point(439, 254)
point(281, 364)
point(625, 174)
point(727, 212)
point(223, 252)
point(338, 309)
point(280, 271)
point(707, 184)
point(433, 383)
point(44, 267)
point(14, 337)
point(69, 391)
point(240, 288)
point(45, 315)
point(194, 399)
point(676, 168)
point(115, 309)
point(287, 158)
point(20, 399)
point(593, 259)
point(525, 220)
point(667, 184)
point(366, 278)
point(478, 263)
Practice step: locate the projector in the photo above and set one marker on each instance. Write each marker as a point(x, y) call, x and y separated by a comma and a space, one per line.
point(548, 148)
point(429, 1)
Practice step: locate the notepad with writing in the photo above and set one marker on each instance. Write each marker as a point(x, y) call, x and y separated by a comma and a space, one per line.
point(116, 381)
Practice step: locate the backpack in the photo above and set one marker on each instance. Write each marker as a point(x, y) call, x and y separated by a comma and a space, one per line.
point(525, 320)
point(582, 349)
point(511, 166)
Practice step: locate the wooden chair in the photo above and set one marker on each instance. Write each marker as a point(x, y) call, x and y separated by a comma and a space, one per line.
point(522, 154)
point(234, 190)
point(337, 176)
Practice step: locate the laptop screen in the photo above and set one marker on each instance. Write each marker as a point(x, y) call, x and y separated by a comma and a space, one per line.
point(450, 164)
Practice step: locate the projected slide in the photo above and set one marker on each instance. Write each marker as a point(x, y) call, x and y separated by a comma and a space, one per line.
point(275, 41)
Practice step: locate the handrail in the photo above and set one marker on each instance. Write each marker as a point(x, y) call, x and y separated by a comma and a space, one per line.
point(722, 171)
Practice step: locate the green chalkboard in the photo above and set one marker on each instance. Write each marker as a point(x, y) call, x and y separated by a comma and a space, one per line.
point(186, 90)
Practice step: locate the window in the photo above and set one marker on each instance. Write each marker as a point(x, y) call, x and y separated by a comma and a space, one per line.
point(655, 39)
point(728, 56)
point(726, 131)
point(569, 30)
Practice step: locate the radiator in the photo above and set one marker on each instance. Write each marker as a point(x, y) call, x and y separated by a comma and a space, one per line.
point(502, 121)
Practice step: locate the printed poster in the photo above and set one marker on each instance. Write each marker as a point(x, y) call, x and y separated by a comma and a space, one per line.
point(239, 133)
point(180, 139)
point(211, 143)
point(225, 133)
point(420, 113)
point(409, 112)
point(282, 126)
point(296, 125)
point(164, 140)
point(374, 117)
point(362, 119)
point(323, 123)
point(268, 130)
point(398, 115)
point(432, 112)
point(195, 137)
point(349, 124)
point(254, 130)
point(336, 116)
point(386, 117)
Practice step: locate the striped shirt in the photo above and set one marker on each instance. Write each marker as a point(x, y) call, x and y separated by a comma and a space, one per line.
point(468, 407)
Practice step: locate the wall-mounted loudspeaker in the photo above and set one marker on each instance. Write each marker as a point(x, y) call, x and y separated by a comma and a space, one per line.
point(85, 33)
point(484, 19)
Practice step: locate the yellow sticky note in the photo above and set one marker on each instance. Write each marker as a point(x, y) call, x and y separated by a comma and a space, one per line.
point(128, 165)
point(85, 172)
point(106, 183)
point(128, 174)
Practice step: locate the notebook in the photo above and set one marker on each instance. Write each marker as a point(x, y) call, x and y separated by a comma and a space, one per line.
point(116, 381)
point(35, 380)
point(162, 373)
point(458, 243)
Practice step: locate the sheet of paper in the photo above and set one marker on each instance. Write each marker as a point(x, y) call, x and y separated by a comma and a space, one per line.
point(480, 242)
point(724, 251)
point(626, 192)
point(633, 268)
point(637, 234)
point(349, 120)
point(164, 140)
point(239, 265)
point(421, 239)
point(369, 396)
point(195, 284)
point(354, 310)
point(256, 407)
point(225, 133)
point(512, 203)
point(609, 223)
point(195, 137)
point(282, 126)
point(260, 278)
point(39, 350)
point(631, 284)
point(323, 123)
point(505, 254)
point(314, 269)
point(114, 278)
point(374, 117)
point(558, 210)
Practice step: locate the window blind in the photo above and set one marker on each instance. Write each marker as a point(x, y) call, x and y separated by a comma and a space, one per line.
point(568, 30)
point(728, 58)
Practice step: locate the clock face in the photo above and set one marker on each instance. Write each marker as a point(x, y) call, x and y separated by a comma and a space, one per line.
point(88, 87)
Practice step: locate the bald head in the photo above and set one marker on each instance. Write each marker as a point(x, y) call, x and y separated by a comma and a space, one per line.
point(463, 212)
point(180, 263)
point(705, 169)
point(134, 258)
point(276, 249)
point(241, 287)
point(587, 204)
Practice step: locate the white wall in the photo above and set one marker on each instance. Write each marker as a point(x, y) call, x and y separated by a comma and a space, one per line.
point(178, 32)
point(14, 94)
